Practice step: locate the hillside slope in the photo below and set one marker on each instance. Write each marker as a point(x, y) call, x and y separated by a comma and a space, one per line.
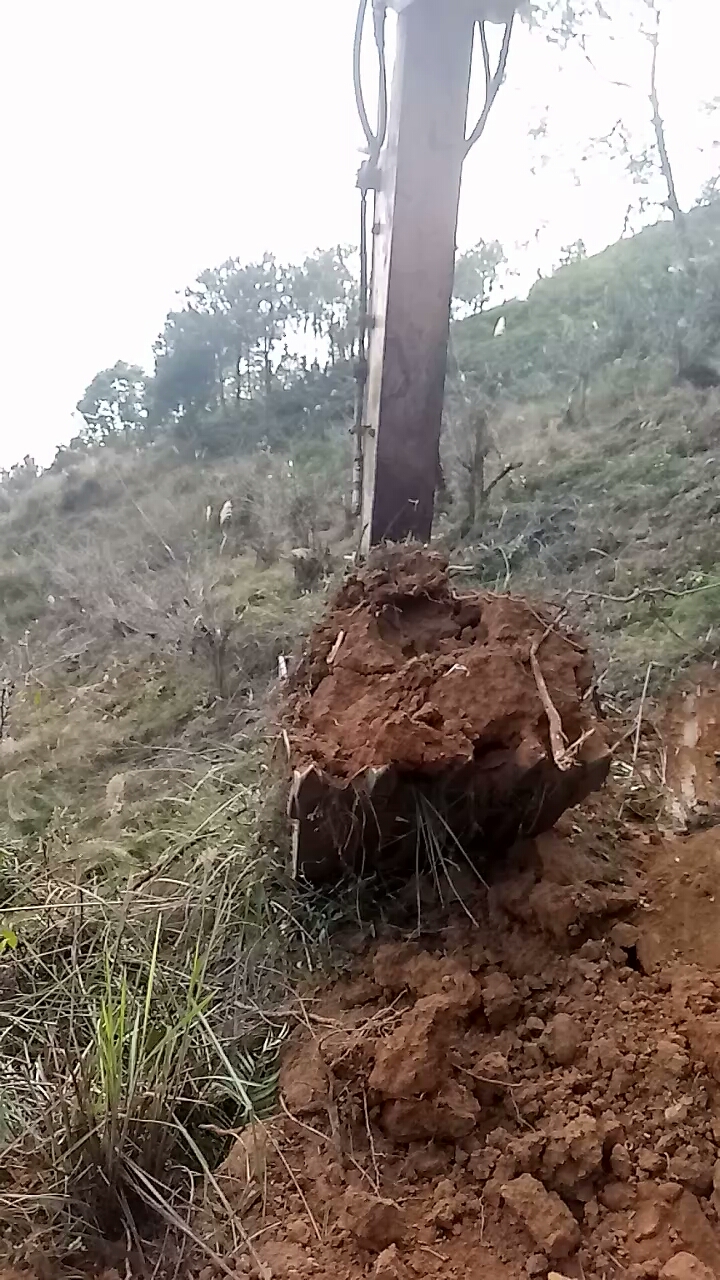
point(112, 562)
point(626, 303)
point(602, 396)
point(146, 927)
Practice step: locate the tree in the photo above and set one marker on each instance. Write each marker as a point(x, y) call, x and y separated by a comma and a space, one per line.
point(697, 300)
point(571, 253)
point(269, 298)
point(660, 154)
point(686, 318)
point(114, 402)
point(186, 372)
point(324, 300)
point(646, 152)
point(227, 339)
point(239, 336)
point(476, 273)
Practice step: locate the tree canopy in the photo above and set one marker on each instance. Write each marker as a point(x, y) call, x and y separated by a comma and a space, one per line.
point(476, 274)
point(246, 332)
point(114, 402)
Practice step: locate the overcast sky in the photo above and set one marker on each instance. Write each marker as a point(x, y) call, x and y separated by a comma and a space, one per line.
point(145, 140)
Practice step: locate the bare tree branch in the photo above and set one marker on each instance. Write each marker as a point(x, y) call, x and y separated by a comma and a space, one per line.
point(5, 692)
point(658, 123)
point(511, 466)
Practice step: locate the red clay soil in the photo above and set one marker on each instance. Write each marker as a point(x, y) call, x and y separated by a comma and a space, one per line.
point(689, 725)
point(539, 1094)
point(408, 684)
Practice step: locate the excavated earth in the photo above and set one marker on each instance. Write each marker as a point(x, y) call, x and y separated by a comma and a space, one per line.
point(532, 1092)
point(515, 1078)
point(412, 693)
point(511, 1079)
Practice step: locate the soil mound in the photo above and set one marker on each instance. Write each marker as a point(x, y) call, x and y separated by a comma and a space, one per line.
point(413, 700)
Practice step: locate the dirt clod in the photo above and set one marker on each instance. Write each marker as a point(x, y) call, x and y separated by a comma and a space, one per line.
point(450, 1114)
point(410, 1063)
point(624, 935)
point(685, 1266)
point(500, 1000)
point(390, 1266)
point(375, 1223)
point(563, 1039)
point(547, 1218)
point(620, 1162)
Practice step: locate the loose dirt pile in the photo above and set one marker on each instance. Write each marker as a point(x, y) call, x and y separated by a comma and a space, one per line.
point(413, 700)
point(537, 1095)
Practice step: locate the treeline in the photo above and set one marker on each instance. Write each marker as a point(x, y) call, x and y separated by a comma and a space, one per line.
point(257, 350)
point(264, 352)
point(245, 333)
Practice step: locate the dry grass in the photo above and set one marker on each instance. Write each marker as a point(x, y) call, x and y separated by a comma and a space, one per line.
point(148, 937)
point(140, 1024)
point(602, 511)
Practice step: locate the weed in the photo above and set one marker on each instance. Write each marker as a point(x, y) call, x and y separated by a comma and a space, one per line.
point(124, 1063)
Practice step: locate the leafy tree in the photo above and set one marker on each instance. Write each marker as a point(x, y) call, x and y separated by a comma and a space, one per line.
point(185, 379)
point(653, 36)
point(476, 273)
point(226, 341)
point(574, 252)
point(680, 312)
point(268, 301)
point(114, 402)
point(325, 299)
point(236, 338)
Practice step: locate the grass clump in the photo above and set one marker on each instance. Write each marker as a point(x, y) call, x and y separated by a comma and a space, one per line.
point(135, 1034)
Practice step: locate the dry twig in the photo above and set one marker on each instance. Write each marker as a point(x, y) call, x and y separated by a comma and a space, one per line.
point(638, 731)
point(558, 741)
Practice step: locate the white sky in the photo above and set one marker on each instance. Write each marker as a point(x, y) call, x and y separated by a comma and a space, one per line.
point(143, 140)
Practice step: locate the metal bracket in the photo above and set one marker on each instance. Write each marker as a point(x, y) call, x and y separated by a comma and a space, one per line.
point(369, 176)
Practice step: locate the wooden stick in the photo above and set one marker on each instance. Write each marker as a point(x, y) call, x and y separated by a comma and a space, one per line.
point(638, 731)
point(336, 648)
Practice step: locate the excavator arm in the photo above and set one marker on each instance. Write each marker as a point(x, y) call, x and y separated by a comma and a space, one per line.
point(413, 250)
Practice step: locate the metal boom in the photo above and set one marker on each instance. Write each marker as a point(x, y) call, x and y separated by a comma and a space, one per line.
point(413, 262)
